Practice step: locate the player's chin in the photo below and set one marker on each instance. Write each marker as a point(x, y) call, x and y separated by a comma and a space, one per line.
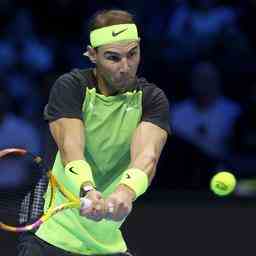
point(125, 86)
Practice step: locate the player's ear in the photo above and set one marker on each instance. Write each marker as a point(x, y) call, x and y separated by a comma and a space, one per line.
point(91, 54)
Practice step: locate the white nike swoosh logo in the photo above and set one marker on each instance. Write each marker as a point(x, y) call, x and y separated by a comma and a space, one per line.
point(129, 109)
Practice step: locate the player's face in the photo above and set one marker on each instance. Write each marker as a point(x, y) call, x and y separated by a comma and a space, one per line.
point(117, 64)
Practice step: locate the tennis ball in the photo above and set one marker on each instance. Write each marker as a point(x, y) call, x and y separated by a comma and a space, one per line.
point(223, 183)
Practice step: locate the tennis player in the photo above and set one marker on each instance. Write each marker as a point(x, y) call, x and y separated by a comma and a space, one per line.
point(110, 128)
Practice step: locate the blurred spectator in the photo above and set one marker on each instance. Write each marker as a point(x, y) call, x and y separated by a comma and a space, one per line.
point(196, 27)
point(33, 53)
point(205, 120)
point(25, 92)
point(15, 132)
point(23, 57)
point(206, 30)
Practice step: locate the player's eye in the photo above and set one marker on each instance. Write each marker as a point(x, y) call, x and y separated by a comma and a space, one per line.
point(113, 58)
point(132, 54)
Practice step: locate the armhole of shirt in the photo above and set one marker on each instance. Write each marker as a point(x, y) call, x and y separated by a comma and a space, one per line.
point(155, 106)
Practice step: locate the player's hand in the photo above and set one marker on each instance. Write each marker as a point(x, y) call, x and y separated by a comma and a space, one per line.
point(119, 204)
point(93, 206)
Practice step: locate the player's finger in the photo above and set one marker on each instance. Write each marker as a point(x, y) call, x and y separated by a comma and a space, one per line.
point(110, 210)
point(122, 212)
point(86, 205)
point(97, 213)
point(94, 195)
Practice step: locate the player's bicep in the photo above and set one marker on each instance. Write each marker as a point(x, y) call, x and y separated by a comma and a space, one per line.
point(64, 129)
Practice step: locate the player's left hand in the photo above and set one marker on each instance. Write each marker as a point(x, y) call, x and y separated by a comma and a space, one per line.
point(119, 204)
point(93, 206)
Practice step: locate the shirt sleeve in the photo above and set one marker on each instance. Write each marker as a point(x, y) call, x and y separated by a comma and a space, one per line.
point(155, 107)
point(65, 100)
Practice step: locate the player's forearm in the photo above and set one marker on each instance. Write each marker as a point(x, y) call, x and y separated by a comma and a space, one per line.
point(147, 144)
point(146, 147)
point(69, 137)
point(147, 162)
point(72, 149)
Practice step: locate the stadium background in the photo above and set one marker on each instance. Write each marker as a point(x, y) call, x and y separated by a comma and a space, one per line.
point(201, 53)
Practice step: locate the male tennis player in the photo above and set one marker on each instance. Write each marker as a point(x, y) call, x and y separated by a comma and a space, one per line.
point(110, 128)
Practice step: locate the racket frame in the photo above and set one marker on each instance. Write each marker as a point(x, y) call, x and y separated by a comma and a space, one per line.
point(74, 201)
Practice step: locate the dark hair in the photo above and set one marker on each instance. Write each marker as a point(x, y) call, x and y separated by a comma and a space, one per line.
point(111, 17)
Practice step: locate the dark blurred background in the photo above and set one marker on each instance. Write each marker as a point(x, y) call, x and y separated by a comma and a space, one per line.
point(202, 54)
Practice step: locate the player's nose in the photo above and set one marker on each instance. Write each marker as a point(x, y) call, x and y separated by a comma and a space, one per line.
point(124, 68)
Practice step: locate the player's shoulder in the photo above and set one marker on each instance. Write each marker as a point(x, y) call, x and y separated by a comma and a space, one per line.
point(149, 89)
point(143, 84)
point(75, 77)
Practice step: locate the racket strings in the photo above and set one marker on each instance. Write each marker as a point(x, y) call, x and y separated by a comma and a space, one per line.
point(38, 198)
point(23, 207)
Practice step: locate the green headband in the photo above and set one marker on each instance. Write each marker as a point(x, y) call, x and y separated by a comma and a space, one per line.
point(112, 34)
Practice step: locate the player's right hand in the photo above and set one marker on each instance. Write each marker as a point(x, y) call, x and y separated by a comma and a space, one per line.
point(93, 206)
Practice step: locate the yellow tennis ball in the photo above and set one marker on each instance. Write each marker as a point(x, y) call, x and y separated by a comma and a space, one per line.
point(223, 183)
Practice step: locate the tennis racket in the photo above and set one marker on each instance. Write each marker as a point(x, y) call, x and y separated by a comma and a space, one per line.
point(21, 209)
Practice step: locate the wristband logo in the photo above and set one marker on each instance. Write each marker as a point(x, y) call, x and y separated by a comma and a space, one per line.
point(71, 170)
point(114, 34)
